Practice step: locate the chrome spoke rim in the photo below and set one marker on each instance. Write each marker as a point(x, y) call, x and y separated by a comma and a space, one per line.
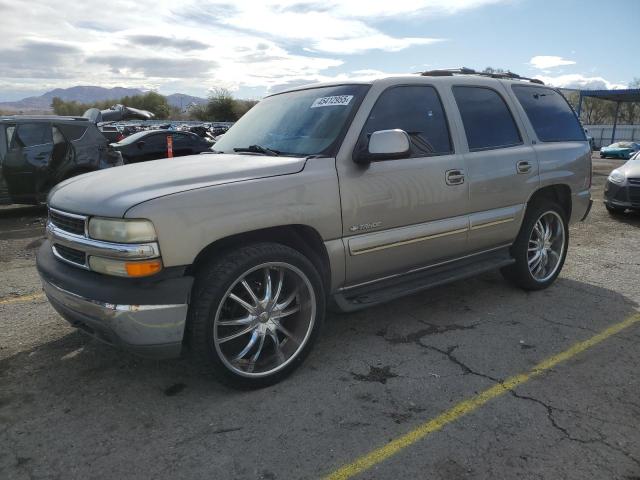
point(264, 319)
point(546, 246)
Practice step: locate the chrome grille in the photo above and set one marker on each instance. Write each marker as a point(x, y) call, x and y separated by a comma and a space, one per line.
point(68, 222)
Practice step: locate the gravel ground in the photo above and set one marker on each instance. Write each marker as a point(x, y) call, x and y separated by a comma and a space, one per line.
point(71, 407)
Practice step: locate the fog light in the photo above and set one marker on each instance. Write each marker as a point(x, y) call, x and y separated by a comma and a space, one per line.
point(122, 268)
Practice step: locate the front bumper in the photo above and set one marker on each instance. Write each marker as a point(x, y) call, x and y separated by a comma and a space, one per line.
point(147, 317)
point(623, 196)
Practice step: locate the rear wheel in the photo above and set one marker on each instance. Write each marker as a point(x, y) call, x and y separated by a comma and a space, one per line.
point(540, 248)
point(255, 314)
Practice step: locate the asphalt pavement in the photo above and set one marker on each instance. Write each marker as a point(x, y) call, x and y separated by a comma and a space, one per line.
point(472, 380)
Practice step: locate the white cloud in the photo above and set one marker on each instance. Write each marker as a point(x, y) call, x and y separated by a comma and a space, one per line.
point(545, 62)
point(576, 80)
point(194, 45)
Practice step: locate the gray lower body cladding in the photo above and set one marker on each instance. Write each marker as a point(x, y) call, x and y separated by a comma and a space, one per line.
point(145, 316)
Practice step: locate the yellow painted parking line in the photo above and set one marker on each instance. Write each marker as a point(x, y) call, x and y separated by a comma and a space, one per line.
point(22, 298)
point(471, 404)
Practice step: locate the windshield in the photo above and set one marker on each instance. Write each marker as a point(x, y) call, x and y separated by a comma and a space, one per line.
point(300, 123)
point(621, 145)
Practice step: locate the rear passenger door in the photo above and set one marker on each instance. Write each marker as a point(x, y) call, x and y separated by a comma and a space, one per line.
point(401, 214)
point(502, 168)
point(28, 157)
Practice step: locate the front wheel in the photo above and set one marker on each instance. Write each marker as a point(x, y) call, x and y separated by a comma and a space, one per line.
point(540, 248)
point(255, 314)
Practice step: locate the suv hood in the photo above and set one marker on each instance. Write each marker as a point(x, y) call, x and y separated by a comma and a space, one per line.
point(111, 192)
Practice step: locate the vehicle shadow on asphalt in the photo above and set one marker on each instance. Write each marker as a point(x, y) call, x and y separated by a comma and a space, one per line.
point(470, 310)
point(629, 217)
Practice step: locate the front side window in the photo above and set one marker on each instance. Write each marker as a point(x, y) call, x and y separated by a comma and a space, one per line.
point(549, 113)
point(32, 134)
point(298, 123)
point(487, 120)
point(418, 111)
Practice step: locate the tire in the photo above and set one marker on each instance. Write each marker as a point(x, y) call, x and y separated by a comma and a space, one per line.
point(231, 296)
point(520, 272)
point(614, 210)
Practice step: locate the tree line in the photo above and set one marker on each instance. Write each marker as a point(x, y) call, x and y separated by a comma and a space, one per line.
point(221, 106)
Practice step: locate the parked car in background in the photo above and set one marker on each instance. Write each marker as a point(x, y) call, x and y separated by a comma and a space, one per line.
point(622, 190)
point(343, 194)
point(154, 144)
point(622, 150)
point(37, 152)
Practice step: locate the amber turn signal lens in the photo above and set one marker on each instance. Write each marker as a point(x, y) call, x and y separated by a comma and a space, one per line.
point(143, 269)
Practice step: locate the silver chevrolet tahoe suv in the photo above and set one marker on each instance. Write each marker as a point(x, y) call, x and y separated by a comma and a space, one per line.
point(342, 195)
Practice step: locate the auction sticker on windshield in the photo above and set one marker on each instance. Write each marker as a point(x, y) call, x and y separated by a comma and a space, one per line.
point(331, 101)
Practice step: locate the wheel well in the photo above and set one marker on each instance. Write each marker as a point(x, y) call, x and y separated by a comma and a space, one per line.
point(302, 238)
point(560, 194)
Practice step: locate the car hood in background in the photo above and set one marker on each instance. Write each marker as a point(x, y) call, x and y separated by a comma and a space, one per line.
point(111, 192)
point(631, 169)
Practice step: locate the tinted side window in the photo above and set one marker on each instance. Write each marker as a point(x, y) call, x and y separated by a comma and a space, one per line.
point(487, 119)
point(418, 111)
point(31, 134)
point(156, 141)
point(549, 113)
point(72, 132)
point(180, 139)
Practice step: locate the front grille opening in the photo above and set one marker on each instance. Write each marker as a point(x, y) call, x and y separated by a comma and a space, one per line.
point(66, 223)
point(71, 254)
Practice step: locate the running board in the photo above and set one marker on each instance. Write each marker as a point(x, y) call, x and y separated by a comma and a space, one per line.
point(357, 298)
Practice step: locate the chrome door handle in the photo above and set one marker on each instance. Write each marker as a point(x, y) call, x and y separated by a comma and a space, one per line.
point(523, 167)
point(454, 177)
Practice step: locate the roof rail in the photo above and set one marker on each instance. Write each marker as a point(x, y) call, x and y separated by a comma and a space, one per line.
point(449, 72)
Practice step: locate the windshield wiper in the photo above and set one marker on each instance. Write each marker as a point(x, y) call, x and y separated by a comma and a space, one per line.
point(258, 149)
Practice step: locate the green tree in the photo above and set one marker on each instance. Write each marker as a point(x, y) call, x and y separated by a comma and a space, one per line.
point(220, 107)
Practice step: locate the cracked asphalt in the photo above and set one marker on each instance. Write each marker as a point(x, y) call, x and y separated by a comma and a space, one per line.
point(72, 408)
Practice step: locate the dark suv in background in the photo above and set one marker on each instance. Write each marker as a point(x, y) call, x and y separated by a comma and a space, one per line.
point(36, 153)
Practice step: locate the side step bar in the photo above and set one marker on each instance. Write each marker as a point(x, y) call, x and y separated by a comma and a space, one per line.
point(357, 298)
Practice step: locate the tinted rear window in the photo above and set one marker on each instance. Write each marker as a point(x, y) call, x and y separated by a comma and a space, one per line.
point(549, 113)
point(487, 120)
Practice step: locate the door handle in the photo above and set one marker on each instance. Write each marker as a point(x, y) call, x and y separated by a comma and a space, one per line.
point(454, 177)
point(523, 167)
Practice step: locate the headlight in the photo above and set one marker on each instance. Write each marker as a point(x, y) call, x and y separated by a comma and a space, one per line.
point(617, 177)
point(121, 231)
point(124, 268)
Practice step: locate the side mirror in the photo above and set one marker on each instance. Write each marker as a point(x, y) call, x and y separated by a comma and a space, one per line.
point(140, 144)
point(386, 145)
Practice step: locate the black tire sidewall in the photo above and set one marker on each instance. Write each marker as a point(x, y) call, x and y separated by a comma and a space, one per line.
point(212, 282)
point(519, 272)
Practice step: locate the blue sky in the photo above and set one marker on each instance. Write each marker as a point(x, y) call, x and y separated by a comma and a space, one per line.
point(254, 47)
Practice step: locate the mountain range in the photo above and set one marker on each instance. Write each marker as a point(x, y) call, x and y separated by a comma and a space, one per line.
point(88, 94)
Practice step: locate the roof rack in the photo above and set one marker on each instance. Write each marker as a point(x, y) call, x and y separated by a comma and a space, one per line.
point(449, 72)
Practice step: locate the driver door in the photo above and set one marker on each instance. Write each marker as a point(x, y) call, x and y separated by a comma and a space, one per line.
point(405, 213)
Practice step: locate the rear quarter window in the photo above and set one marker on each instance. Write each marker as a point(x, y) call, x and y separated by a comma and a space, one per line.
point(72, 132)
point(550, 114)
